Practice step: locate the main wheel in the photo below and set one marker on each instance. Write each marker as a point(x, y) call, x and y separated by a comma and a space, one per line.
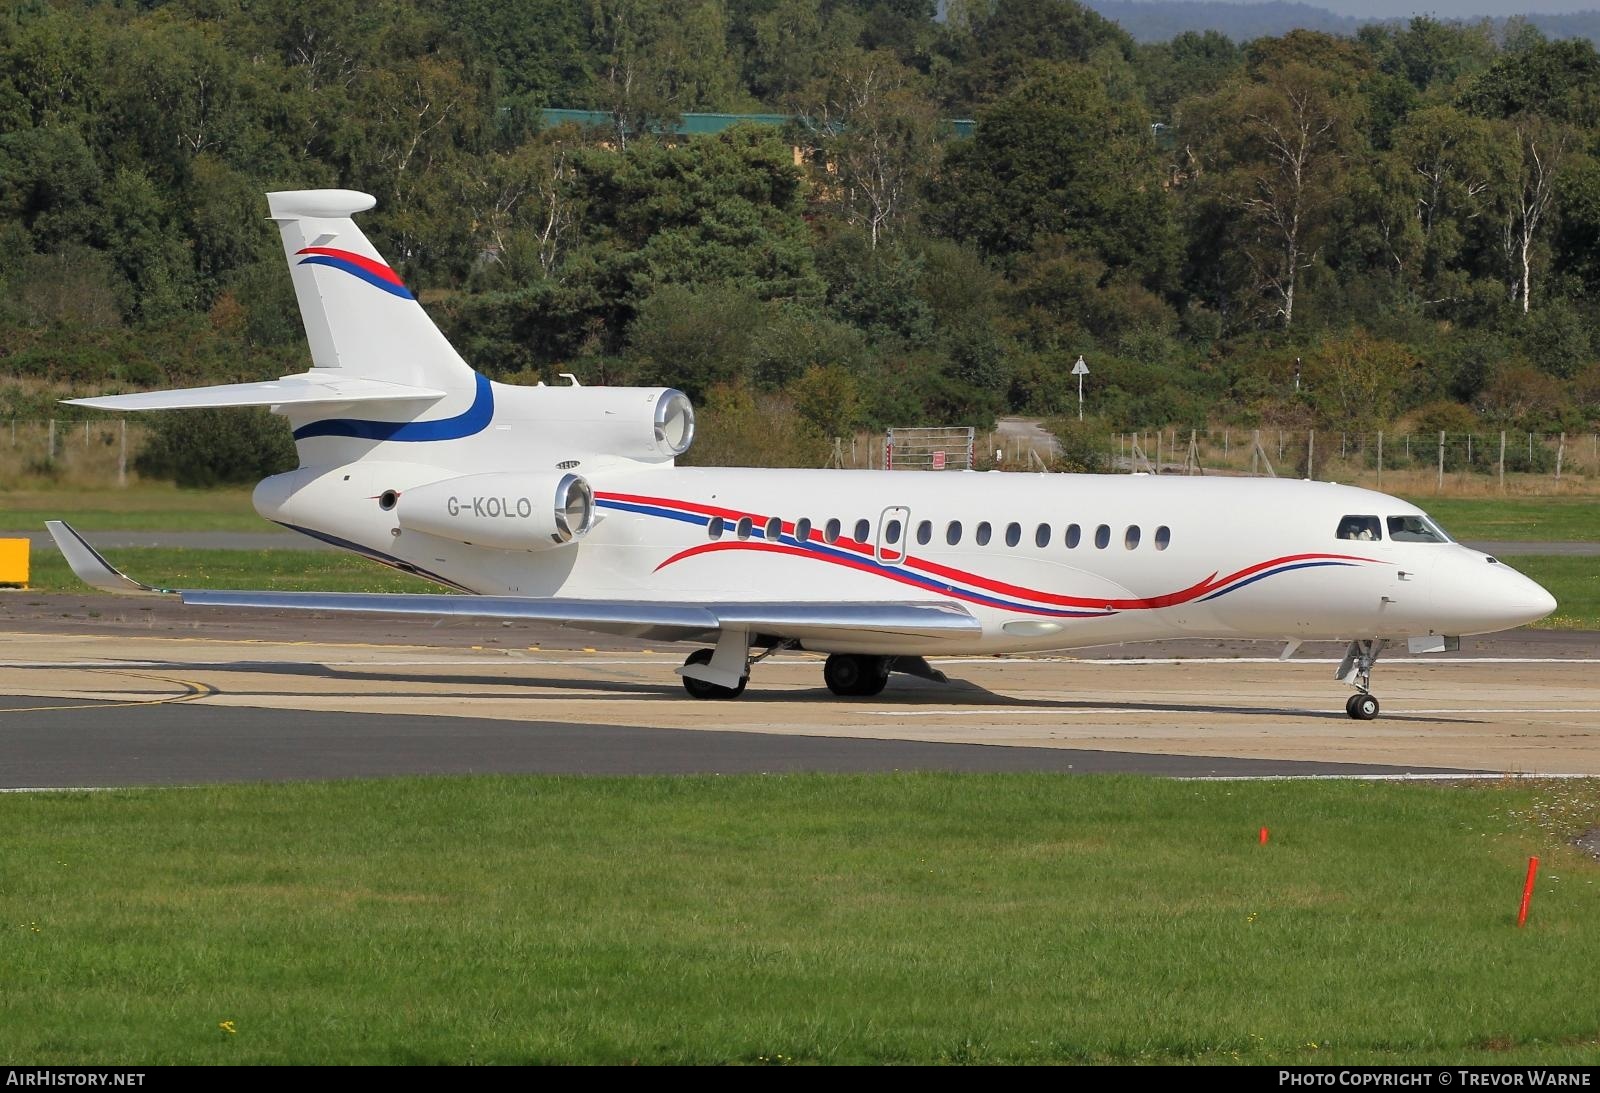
point(853, 676)
point(699, 688)
point(1362, 707)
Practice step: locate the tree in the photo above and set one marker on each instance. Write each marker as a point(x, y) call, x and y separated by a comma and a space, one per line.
point(1446, 163)
point(1527, 187)
point(1056, 156)
point(875, 125)
point(1277, 144)
point(656, 60)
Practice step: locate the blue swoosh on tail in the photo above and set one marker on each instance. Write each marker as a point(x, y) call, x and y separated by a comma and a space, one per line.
point(474, 419)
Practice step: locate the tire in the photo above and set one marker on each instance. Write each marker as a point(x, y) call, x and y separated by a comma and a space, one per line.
point(699, 688)
point(1361, 707)
point(854, 676)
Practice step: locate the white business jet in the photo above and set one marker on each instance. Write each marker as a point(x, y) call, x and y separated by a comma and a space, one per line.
point(563, 504)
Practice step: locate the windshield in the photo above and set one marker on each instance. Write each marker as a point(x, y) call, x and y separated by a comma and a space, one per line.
point(1415, 529)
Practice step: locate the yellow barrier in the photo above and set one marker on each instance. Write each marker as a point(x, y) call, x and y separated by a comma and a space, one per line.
point(14, 562)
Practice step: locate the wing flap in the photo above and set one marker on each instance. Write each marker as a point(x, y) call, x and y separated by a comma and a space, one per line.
point(321, 388)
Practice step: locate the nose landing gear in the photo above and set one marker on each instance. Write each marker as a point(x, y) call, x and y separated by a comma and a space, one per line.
point(1356, 670)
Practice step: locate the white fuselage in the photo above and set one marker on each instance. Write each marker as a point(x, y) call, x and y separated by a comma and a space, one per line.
point(1150, 557)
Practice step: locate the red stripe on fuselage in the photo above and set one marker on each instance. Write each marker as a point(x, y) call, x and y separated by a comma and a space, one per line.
point(1203, 587)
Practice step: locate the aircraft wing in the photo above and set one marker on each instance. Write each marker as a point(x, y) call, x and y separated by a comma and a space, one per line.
point(644, 619)
point(324, 387)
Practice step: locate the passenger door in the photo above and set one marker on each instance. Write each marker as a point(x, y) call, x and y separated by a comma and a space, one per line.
point(894, 525)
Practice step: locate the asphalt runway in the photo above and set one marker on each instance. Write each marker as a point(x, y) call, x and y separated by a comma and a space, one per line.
point(93, 697)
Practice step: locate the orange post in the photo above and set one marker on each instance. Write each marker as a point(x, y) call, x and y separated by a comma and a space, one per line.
point(1527, 892)
point(1263, 836)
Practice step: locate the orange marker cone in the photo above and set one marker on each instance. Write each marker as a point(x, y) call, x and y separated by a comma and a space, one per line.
point(1263, 836)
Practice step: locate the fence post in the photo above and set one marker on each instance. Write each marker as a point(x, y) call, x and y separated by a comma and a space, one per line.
point(1380, 460)
point(1561, 451)
point(1502, 461)
point(122, 454)
point(1311, 453)
point(1441, 461)
point(1530, 452)
point(1225, 443)
point(51, 456)
point(1469, 451)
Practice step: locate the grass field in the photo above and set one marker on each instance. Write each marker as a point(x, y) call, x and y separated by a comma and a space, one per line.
point(281, 570)
point(1574, 581)
point(809, 919)
point(140, 508)
point(1550, 519)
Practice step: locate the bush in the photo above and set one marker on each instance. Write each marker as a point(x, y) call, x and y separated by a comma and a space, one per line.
point(216, 447)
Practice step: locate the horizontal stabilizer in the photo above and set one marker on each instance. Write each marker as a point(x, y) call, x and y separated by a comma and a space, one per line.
point(322, 387)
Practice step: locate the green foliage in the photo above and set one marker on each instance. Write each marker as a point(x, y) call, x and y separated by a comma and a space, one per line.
point(216, 447)
point(1436, 237)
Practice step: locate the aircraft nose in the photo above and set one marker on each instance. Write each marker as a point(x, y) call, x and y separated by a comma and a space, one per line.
point(1476, 594)
point(1517, 599)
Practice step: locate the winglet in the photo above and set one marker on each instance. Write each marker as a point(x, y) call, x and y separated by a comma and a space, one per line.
point(90, 567)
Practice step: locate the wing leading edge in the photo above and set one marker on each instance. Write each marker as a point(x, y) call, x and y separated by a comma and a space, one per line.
point(657, 620)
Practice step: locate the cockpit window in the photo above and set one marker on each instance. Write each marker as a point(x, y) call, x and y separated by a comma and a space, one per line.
point(1360, 527)
point(1415, 529)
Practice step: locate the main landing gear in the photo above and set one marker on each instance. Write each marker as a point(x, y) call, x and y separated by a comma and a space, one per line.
point(1356, 670)
point(722, 673)
point(849, 675)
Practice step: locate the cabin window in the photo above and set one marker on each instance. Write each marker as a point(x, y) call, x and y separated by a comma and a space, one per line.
point(1360, 527)
point(891, 532)
point(952, 532)
point(1415, 529)
point(863, 530)
point(1130, 538)
point(744, 526)
point(1102, 536)
point(1073, 536)
point(802, 529)
point(830, 531)
point(983, 533)
point(924, 532)
point(774, 528)
point(1041, 536)
point(1163, 537)
point(714, 528)
point(1013, 534)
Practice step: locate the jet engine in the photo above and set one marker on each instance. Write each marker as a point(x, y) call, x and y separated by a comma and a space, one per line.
point(504, 511)
point(648, 424)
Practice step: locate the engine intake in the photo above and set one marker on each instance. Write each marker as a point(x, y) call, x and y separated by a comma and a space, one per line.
point(502, 511)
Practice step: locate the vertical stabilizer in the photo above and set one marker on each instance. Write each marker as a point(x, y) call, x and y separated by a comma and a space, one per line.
point(359, 316)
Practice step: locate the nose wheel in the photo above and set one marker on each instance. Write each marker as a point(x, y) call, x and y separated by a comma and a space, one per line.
point(1356, 670)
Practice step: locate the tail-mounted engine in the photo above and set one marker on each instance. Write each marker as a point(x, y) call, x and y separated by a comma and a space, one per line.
point(502, 511)
point(648, 424)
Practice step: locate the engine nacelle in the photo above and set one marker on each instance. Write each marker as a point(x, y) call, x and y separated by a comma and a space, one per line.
point(502, 511)
point(649, 424)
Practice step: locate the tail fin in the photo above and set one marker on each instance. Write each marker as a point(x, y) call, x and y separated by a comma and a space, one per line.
point(359, 316)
